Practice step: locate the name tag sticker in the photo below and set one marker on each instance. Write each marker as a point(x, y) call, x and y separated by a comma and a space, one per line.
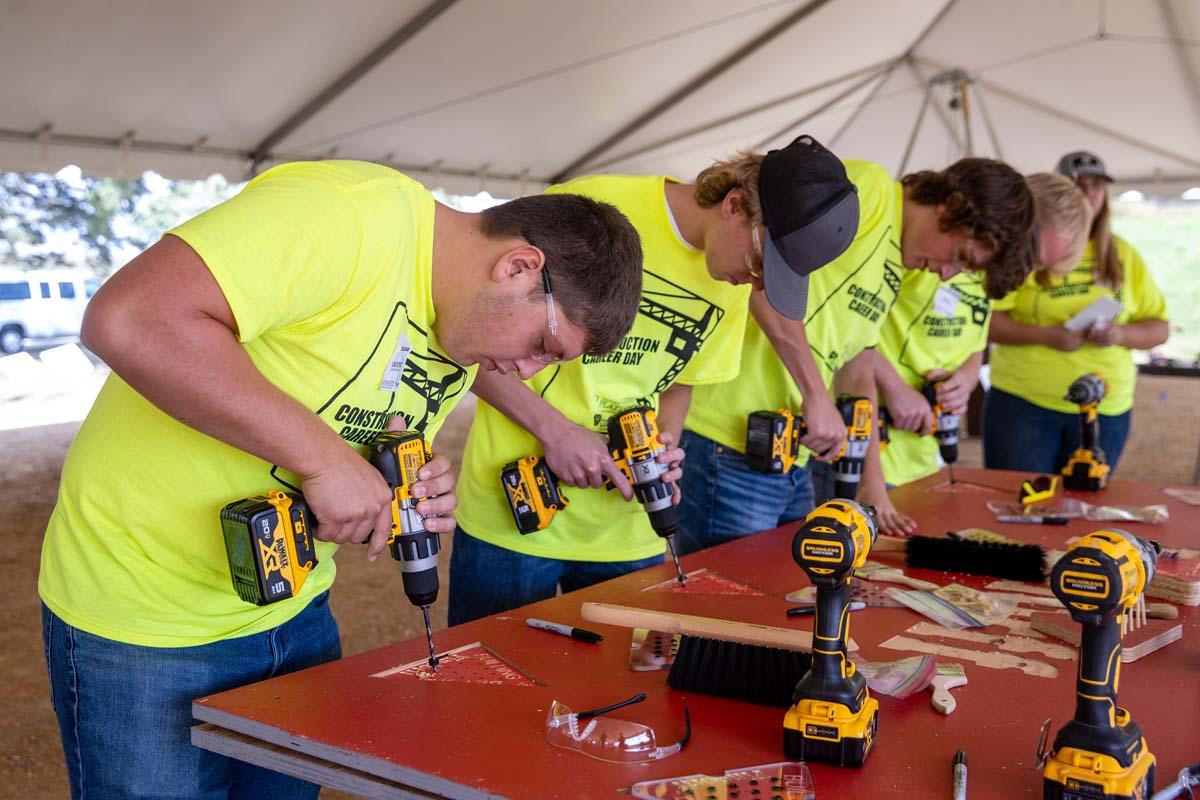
point(395, 367)
point(945, 301)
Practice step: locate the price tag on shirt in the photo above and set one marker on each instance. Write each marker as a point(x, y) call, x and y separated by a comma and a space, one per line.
point(395, 367)
point(945, 301)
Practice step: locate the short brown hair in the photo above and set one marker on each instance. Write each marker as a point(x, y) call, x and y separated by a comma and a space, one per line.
point(1060, 206)
point(990, 202)
point(593, 254)
point(721, 177)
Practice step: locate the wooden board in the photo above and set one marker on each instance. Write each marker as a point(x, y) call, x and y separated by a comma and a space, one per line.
point(1154, 635)
point(466, 740)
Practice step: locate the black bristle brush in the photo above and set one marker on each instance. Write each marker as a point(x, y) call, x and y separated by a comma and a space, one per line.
point(1009, 560)
point(738, 660)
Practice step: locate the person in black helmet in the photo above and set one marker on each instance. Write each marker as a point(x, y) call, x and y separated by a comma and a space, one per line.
point(1028, 425)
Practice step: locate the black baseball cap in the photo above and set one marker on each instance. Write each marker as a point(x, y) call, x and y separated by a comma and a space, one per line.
point(1081, 162)
point(810, 210)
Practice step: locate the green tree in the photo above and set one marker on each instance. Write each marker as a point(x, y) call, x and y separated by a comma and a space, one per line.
point(47, 219)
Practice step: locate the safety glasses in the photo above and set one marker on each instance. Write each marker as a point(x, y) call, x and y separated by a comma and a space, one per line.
point(609, 739)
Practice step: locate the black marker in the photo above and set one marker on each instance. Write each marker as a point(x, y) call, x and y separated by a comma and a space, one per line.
point(566, 630)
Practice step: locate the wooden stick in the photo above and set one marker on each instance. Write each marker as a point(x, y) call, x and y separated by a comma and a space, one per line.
point(688, 625)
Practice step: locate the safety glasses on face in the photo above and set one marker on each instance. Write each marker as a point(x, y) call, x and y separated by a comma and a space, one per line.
point(545, 356)
point(609, 739)
point(755, 265)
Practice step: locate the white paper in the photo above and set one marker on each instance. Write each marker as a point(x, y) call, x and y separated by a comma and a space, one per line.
point(395, 367)
point(945, 301)
point(1102, 310)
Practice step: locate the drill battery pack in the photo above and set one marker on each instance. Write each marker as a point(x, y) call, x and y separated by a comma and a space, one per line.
point(830, 733)
point(268, 539)
point(773, 440)
point(1084, 775)
point(533, 493)
point(1086, 471)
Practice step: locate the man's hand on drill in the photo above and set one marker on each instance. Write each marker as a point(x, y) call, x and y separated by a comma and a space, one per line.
point(954, 388)
point(825, 431)
point(909, 409)
point(580, 458)
point(672, 457)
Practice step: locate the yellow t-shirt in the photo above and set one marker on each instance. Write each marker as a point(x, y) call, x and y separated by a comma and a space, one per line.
point(327, 269)
point(848, 300)
point(934, 325)
point(688, 330)
point(1041, 374)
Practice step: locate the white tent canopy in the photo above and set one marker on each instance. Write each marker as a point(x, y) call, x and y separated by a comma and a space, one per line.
point(505, 94)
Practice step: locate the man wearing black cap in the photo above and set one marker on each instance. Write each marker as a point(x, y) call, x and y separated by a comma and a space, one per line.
point(745, 223)
point(974, 215)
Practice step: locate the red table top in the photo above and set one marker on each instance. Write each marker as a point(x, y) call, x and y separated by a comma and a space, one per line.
point(464, 738)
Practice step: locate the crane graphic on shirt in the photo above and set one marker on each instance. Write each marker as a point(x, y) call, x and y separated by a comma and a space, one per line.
point(360, 409)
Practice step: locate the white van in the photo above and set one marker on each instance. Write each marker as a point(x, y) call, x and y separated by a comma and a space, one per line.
point(42, 303)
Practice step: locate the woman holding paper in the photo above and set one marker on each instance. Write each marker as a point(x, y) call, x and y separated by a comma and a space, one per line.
point(1067, 320)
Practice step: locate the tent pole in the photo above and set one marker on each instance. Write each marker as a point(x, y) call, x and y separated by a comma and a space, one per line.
point(912, 137)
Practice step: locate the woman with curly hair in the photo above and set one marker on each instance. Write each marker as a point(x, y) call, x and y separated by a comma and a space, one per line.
point(1028, 425)
point(976, 215)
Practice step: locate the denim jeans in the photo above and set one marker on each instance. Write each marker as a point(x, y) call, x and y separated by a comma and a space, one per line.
point(125, 711)
point(486, 579)
point(723, 499)
point(1020, 436)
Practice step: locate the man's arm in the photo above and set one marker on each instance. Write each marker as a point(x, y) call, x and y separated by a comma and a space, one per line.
point(163, 324)
point(826, 430)
point(578, 456)
point(907, 407)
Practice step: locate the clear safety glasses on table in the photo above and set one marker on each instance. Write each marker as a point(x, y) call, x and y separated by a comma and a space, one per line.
point(609, 739)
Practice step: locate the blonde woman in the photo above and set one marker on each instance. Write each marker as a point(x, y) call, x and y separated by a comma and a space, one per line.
point(1028, 425)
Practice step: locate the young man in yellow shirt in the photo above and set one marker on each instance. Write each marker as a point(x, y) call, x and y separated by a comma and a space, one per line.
point(751, 219)
point(937, 331)
point(974, 215)
point(257, 347)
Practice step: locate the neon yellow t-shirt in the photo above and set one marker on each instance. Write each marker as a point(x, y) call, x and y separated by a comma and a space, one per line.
point(327, 269)
point(934, 325)
point(848, 300)
point(688, 330)
point(1041, 374)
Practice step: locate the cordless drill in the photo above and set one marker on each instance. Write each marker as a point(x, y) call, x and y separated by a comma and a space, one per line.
point(857, 413)
point(945, 427)
point(1086, 469)
point(633, 441)
point(399, 456)
point(833, 717)
point(268, 537)
point(1101, 752)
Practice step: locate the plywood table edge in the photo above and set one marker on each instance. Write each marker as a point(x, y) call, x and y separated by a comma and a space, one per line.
point(377, 767)
point(229, 743)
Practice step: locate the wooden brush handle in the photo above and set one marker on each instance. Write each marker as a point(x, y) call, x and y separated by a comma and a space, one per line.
point(688, 625)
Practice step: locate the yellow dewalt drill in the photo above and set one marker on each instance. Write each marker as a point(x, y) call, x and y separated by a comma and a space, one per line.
point(1100, 754)
point(945, 427)
point(268, 537)
point(1087, 470)
point(635, 446)
point(858, 413)
point(833, 717)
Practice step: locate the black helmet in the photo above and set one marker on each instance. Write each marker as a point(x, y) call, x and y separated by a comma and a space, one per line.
point(1081, 162)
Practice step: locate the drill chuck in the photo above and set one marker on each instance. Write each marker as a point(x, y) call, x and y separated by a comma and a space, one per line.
point(1087, 390)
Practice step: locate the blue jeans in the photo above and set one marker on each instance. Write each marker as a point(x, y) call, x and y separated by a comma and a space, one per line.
point(1020, 436)
point(723, 499)
point(125, 711)
point(486, 579)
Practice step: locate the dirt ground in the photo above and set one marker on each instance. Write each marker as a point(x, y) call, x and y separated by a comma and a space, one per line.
point(367, 599)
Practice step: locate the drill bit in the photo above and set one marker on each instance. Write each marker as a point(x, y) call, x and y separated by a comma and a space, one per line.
point(675, 557)
point(951, 468)
point(433, 659)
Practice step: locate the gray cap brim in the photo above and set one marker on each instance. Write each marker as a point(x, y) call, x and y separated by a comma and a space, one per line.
point(788, 262)
point(787, 291)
